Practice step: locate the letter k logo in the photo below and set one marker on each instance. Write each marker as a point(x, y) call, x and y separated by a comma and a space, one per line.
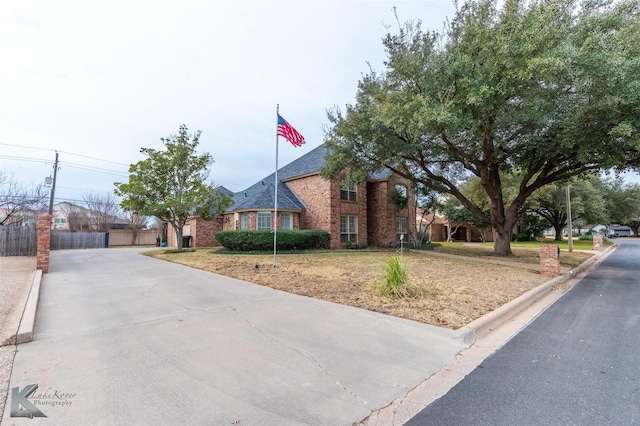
point(19, 399)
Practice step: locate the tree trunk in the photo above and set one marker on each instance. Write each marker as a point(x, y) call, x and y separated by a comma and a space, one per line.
point(178, 231)
point(501, 222)
point(558, 229)
point(502, 244)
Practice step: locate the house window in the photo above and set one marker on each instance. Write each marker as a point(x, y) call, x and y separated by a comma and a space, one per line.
point(264, 221)
point(287, 221)
point(244, 221)
point(401, 228)
point(60, 220)
point(347, 192)
point(399, 196)
point(348, 229)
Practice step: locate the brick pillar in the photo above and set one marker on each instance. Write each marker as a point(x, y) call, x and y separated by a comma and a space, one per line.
point(550, 260)
point(44, 243)
point(597, 242)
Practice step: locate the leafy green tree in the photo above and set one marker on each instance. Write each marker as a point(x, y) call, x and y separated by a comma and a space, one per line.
point(170, 184)
point(541, 89)
point(587, 203)
point(623, 203)
point(532, 225)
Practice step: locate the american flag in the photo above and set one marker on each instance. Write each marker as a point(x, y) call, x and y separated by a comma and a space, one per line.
point(288, 132)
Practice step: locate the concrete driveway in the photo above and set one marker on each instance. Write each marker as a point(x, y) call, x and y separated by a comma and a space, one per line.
point(126, 339)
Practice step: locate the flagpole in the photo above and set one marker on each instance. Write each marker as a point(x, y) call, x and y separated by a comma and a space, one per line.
point(275, 207)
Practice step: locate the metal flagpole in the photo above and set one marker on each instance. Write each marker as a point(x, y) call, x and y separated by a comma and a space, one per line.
point(275, 207)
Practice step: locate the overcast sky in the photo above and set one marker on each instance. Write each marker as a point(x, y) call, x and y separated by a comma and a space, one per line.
point(96, 81)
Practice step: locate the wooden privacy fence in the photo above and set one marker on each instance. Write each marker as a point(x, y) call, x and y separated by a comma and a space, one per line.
point(79, 240)
point(23, 240)
point(18, 240)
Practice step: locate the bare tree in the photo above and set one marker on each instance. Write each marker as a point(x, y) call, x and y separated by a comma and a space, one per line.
point(136, 223)
point(19, 202)
point(103, 209)
point(77, 216)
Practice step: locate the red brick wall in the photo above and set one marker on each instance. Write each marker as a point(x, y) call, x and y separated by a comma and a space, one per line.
point(438, 232)
point(203, 232)
point(549, 260)
point(315, 193)
point(44, 242)
point(379, 215)
point(383, 212)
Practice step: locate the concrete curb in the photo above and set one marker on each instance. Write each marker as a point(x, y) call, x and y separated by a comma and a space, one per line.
point(28, 321)
point(492, 320)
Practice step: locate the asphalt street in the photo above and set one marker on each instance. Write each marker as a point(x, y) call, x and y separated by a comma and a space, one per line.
point(577, 363)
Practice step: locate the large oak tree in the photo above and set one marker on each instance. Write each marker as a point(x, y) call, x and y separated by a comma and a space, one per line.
point(542, 89)
point(170, 184)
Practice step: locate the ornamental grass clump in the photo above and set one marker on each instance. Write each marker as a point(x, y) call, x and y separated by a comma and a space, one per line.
point(396, 283)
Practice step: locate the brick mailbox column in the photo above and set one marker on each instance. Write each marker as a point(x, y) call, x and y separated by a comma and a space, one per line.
point(44, 243)
point(550, 260)
point(597, 242)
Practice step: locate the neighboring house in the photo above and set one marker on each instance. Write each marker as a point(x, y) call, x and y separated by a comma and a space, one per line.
point(72, 217)
point(363, 214)
point(585, 229)
point(17, 219)
point(69, 217)
point(440, 228)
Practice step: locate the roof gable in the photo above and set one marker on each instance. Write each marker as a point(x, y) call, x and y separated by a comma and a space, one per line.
point(261, 195)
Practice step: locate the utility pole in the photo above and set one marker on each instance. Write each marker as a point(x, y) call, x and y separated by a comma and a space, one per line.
point(53, 186)
point(569, 224)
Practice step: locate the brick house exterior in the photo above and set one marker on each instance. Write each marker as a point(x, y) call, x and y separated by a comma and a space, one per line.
point(439, 229)
point(365, 214)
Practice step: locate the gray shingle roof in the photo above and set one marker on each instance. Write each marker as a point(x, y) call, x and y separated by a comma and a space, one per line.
point(261, 195)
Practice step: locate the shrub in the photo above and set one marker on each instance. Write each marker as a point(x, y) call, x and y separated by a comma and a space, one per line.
point(263, 240)
point(395, 282)
point(589, 237)
point(522, 237)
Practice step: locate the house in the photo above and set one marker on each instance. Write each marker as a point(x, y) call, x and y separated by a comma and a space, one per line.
point(72, 217)
point(439, 229)
point(377, 212)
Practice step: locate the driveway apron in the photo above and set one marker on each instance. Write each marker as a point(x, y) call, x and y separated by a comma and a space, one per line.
point(122, 338)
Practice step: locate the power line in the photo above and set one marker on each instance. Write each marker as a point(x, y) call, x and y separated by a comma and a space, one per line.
point(64, 152)
point(73, 165)
point(94, 169)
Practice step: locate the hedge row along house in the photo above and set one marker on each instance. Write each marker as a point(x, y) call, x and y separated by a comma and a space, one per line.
point(377, 212)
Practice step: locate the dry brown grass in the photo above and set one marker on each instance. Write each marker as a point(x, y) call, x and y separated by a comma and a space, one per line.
point(454, 290)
